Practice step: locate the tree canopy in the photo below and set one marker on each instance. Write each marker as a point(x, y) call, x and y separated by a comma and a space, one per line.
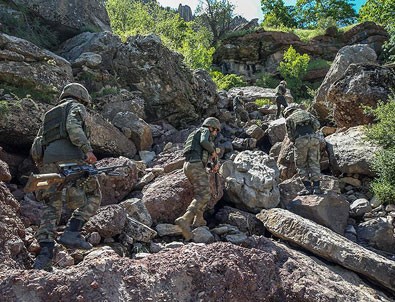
point(130, 18)
point(216, 15)
point(308, 13)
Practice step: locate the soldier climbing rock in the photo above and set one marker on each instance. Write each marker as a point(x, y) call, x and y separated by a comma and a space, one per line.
point(281, 90)
point(199, 148)
point(65, 138)
point(301, 130)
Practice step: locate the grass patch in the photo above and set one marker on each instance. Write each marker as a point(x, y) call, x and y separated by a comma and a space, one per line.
point(262, 102)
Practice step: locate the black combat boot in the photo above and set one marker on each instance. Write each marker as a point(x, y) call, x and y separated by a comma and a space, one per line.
point(316, 187)
point(44, 258)
point(72, 237)
point(307, 189)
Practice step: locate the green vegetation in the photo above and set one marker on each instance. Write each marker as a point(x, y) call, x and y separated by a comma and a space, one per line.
point(382, 12)
point(28, 27)
point(21, 92)
point(308, 13)
point(105, 91)
point(226, 82)
point(4, 109)
point(293, 68)
point(188, 38)
point(263, 102)
point(383, 134)
point(267, 80)
point(318, 64)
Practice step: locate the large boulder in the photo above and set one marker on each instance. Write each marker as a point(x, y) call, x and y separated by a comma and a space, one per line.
point(68, 18)
point(329, 245)
point(177, 95)
point(23, 64)
point(362, 85)
point(350, 153)
point(251, 181)
point(346, 56)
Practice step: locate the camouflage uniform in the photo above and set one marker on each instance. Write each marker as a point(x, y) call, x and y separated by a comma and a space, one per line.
point(199, 146)
point(281, 90)
point(85, 195)
point(65, 138)
point(301, 128)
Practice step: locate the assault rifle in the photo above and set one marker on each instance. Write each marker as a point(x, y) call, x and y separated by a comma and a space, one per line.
point(212, 165)
point(69, 173)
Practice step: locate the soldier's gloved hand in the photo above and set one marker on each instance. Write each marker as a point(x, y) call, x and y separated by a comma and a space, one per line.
point(90, 157)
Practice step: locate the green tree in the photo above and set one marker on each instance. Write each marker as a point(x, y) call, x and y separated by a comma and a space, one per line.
point(293, 68)
point(136, 18)
point(383, 134)
point(216, 15)
point(309, 12)
point(379, 11)
point(276, 14)
point(382, 12)
point(226, 82)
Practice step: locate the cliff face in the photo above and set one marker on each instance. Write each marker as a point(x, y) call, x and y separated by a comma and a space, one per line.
point(261, 51)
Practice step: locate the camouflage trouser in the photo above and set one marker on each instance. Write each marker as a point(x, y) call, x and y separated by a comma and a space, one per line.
point(197, 175)
point(83, 197)
point(307, 157)
point(280, 101)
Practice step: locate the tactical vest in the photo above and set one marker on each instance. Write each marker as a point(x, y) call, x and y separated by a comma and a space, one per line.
point(54, 124)
point(302, 122)
point(192, 149)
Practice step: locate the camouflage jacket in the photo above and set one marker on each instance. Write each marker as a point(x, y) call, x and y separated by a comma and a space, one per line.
point(281, 90)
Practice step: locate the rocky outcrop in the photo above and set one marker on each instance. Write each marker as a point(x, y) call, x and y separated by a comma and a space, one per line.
point(261, 51)
point(266, 271)
point(23, 64)
point(177, 95)
point(362, 85)
point(68, 18)
point(185, 12)
point(344, 57)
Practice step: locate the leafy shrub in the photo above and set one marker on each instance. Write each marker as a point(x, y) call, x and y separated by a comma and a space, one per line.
point(384, 185)
point(383, 134)
point(293, 68)
point(228, 81)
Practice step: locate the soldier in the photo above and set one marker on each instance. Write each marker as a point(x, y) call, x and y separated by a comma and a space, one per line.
point(65, 137)
point(281, 90)
point(198, 148)
point(301, 128)
point(238, 108)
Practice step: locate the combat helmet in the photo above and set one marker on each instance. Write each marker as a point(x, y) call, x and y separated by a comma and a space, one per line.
point(291, 108)
point(76, 90)
point(283, 82)
point(212, 122)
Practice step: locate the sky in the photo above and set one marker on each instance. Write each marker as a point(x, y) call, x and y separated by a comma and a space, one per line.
point(248, 9)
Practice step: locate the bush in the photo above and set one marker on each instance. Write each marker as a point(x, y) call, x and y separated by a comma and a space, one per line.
point(293, 68)
point(383, 134)
point(384, 185)
point(226, 82)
